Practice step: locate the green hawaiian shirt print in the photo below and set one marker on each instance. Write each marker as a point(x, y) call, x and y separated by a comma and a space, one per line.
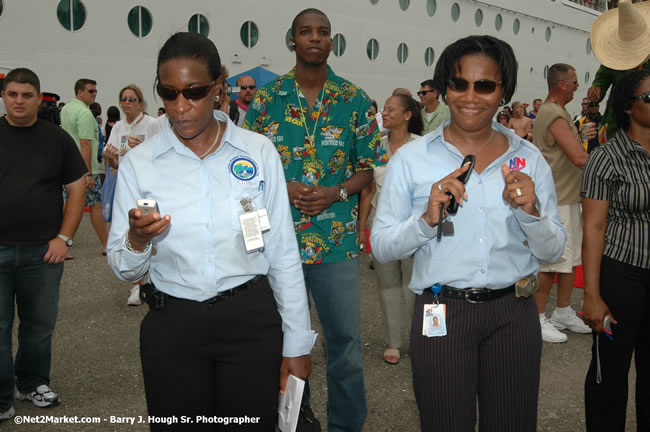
point(346, 140)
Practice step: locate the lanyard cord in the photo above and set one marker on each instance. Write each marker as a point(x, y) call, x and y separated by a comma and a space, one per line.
point(312, 137)
point(214, 143)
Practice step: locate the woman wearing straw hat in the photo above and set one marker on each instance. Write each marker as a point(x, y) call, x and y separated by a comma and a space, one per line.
point(620, 39)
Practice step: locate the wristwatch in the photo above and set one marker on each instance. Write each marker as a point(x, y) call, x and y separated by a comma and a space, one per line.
point(343, 193)
point(66, 239)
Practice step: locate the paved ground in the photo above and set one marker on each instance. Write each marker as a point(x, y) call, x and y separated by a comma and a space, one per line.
point(96, 366)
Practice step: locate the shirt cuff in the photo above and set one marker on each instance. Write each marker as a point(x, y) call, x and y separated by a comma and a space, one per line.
point(424, 230)
point(525, 218)
point(131, 264)
point(297, 343)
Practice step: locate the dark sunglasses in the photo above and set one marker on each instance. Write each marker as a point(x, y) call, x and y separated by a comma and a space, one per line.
point(92, 91)
point(645, 97)
point(190, 93)
point(252, 87)
point(130, 99)
point(480, 86)
point(423, 92)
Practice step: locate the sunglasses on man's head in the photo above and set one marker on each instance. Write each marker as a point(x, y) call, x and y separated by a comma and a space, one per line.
point(480, 86)
point(130, 99)
point(423, 92)
point(645, 97)
point(252, 87)
point(190, 93)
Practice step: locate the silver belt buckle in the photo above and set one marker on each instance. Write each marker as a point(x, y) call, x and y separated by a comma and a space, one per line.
point(471, 291)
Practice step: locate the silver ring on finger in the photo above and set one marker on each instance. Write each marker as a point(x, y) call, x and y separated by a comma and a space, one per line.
point(440, 187)
point(518, 192)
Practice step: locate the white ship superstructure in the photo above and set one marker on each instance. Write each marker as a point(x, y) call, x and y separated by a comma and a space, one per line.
point(378, 44)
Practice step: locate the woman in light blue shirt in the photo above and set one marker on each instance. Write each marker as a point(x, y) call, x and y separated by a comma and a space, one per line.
point(228, 318)
point(487, 343)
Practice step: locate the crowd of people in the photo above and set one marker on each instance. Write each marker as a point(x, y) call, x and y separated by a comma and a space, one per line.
point(226, 215)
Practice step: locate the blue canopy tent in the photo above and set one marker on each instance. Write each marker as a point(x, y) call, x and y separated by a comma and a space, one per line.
point(259, 74)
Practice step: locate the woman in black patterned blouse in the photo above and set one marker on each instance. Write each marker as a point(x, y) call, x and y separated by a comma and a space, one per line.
point(616, 260)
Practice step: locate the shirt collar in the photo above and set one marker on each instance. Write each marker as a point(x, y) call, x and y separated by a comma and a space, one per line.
point(286, 84)
point(241, 105)
point(76, 101)
point(170, 141)
point(626, 144)
point(514, 140)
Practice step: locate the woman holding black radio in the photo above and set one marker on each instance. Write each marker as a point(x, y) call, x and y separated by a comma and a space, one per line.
point(228, 319)
point(471, 337)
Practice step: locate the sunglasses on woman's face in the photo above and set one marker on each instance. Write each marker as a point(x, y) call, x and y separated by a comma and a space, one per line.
point(190, 93)
point(130, 99)
point(480, 86)
point(645, 97)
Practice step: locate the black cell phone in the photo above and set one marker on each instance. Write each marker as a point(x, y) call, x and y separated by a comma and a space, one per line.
point(452, 209)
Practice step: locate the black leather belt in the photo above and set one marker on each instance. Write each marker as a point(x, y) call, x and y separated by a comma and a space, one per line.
point(156, 299)
point(476, 295)
point(232, 291)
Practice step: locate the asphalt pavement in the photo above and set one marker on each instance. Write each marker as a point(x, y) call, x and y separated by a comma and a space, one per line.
point(96, 364)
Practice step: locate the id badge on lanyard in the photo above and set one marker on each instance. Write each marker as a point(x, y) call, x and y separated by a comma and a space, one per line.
point(253, 223)
point(434, 316)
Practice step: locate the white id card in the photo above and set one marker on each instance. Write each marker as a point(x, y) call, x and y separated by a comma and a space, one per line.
point(250, 228)
point(434, 320)
point(265, 225)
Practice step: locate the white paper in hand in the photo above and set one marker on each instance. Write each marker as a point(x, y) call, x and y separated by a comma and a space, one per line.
point(289, 407)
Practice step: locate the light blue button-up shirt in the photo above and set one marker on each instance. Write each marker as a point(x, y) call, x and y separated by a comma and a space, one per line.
point(202, 252)
point(493, 245)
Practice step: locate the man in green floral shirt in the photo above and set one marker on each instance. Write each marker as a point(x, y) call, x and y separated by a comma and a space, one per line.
point(325, 132)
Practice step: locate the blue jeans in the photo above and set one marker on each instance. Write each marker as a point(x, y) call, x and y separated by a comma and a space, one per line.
point(335, 290)
point(33, 286)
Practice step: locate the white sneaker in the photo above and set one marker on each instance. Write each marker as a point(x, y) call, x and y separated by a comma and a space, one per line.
point(134, 297)
point(571, 322)
point(549, 333)
point(6, 415)
point(42, 397)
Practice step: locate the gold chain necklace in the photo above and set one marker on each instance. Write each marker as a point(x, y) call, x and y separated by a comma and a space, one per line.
point(465, 153)
point(312, 137)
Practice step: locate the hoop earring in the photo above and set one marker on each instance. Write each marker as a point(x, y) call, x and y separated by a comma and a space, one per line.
point(503, 102)
point(216, 98)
